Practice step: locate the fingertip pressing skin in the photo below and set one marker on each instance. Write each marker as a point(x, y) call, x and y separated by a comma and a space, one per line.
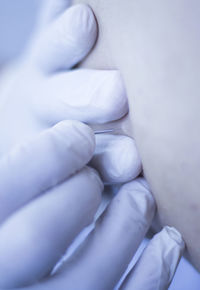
point(117, 159)
point(175, 236)
point(140, 195)
point(99, 97)
point(118, 104)
point(129, 163)
point(157, 265)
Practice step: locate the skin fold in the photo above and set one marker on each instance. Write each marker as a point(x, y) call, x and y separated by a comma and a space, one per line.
point(156, 46)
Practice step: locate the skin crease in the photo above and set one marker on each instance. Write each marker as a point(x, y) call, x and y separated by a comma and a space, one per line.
point(156, 46)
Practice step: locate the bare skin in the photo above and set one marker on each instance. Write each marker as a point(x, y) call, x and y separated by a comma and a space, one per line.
point(156, 46)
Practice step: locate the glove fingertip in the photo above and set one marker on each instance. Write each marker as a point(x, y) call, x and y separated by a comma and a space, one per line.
point(83, 31)
point(66, 41)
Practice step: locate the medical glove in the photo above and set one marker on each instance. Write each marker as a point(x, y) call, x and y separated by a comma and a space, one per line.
point(157, 264)
point(103, 257)
point(48, 195)
point(44, 89)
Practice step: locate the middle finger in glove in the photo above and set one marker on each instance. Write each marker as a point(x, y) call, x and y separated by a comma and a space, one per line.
point(93, 97)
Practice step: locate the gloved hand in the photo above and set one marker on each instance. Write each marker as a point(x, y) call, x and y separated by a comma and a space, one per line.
point(42, 90)
point(35, 237)
point(48, 196)
point(104, 256)
point(44, 217)
point(37, 94)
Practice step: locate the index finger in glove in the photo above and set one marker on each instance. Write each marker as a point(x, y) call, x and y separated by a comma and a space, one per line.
point(40, 164)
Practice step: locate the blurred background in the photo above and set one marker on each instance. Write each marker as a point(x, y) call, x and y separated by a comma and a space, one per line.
point(17, 19)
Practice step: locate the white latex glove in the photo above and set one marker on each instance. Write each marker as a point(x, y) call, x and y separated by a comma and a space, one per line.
point(157, 265)
point(47, 197)
point(104, 256)
point(34, 237)
point(42, 90)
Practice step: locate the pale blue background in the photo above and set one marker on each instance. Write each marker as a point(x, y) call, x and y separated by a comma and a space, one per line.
point(17, 18)
point(16, 21)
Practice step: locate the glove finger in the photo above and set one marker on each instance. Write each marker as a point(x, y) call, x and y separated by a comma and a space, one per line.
point(116, 158)
point(45, 228)
point(52, 9)
point(89, 96)
point(42, 163)
point(103, 258)
point(157, 265)
point(66, 41)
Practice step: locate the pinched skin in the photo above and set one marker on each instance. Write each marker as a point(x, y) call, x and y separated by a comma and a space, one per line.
point(156, 46)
